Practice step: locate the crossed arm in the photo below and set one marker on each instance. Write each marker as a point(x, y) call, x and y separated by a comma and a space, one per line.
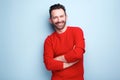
point(56, 63)
point(65, 63)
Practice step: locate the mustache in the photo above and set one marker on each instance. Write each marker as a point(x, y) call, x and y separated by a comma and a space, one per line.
point(60, 22)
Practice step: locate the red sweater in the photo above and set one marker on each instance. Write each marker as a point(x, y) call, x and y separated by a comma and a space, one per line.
point(62, 44)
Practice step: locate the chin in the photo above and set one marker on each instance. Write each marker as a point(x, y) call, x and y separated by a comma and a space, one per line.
point(60, 28)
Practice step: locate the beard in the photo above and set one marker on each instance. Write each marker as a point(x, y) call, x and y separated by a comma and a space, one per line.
point(59, 25)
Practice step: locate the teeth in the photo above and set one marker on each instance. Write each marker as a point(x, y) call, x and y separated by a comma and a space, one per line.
point(59, 24)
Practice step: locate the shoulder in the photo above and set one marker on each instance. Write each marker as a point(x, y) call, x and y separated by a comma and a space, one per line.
point(75, 28)
point(50, 37)
point(76, 31)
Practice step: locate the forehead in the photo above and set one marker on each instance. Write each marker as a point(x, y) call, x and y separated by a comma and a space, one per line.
point(57, 12)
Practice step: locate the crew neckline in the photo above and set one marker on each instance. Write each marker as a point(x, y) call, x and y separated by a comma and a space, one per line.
point(59, 34)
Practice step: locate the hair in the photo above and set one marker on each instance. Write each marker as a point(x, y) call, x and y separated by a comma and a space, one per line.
point(56, 6)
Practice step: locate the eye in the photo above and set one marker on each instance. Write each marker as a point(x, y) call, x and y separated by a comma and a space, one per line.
point(62, 16)
point(55, 17)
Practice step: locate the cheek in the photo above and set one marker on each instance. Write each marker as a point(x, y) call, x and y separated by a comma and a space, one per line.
point(54, 21)
point(64, 19)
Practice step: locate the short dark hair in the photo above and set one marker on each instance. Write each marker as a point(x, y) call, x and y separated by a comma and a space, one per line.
point(56, 6)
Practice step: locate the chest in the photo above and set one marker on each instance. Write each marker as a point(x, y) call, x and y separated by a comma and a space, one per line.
point(63, 44)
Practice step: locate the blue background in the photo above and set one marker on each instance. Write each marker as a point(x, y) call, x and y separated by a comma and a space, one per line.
point(24, 26)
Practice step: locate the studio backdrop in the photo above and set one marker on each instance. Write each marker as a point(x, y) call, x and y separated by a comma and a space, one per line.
point(24, 25)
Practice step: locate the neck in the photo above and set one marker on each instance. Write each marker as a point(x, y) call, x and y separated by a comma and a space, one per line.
point(62, 30)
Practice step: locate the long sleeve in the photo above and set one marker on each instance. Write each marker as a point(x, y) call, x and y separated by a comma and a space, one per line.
point(79, 48)
point(49, 61)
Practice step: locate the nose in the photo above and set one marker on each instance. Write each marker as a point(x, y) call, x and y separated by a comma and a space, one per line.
point(59, 19)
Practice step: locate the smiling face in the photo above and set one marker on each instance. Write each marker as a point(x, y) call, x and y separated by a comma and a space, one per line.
point(58, 19)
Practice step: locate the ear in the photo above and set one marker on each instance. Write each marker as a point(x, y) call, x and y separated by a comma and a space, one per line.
point(50, 20)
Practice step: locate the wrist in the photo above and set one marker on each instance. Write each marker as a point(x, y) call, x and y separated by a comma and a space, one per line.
point(60, 58)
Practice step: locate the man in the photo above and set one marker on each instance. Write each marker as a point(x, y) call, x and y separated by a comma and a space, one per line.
point(64, 48)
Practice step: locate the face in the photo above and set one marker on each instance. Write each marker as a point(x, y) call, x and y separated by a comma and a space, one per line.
point(58, 19)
